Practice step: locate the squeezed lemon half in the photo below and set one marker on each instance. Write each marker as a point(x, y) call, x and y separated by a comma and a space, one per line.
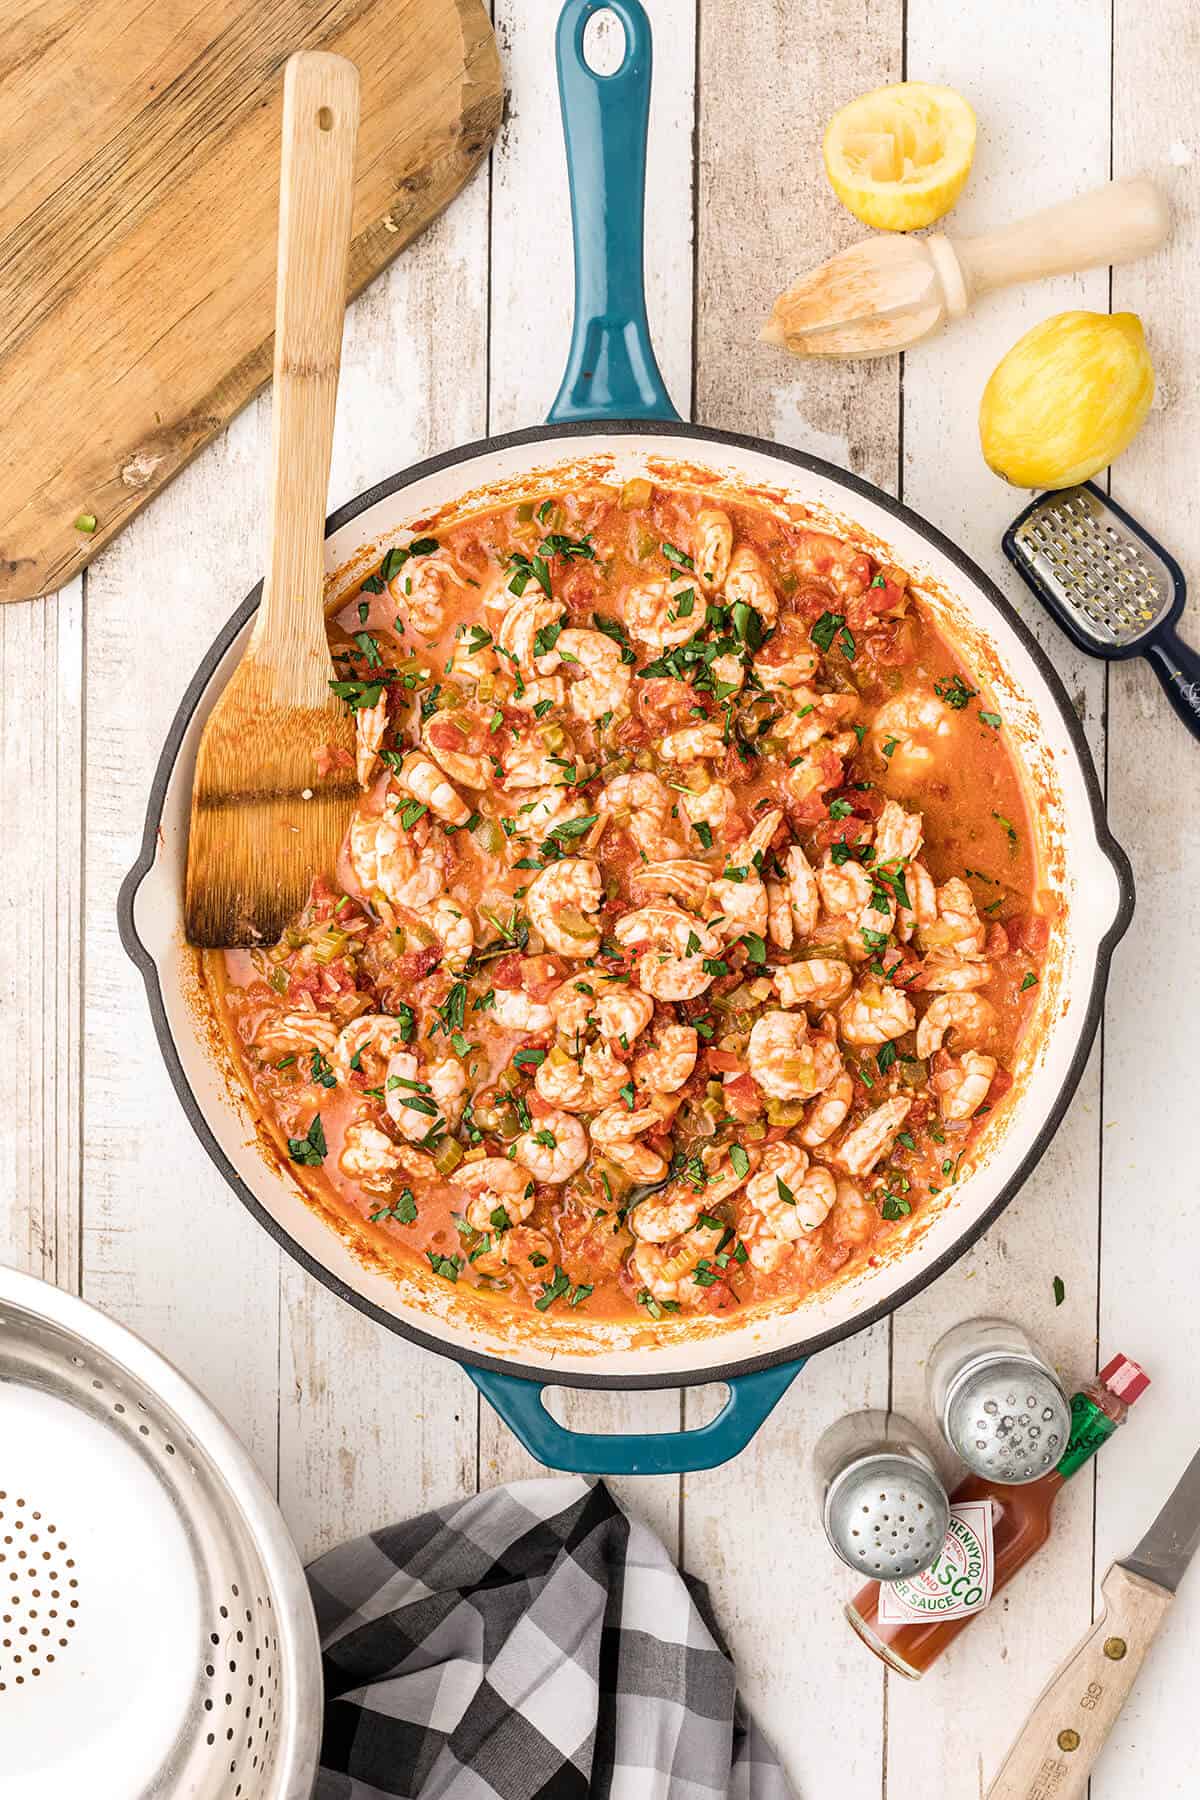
point(898, 156)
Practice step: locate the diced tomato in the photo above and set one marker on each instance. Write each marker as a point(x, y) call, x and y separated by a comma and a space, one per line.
point(414, 965)
point(996, 943)
point(631, 734)
point(540, 975)
point(742, 1094)
point(721, 1061)
point(506, 971)
point(578, 585)
point(1001, 1083)
point(1030, 934)
point(444, 734)
point(889, 645)
point(330, 757)
point(903, 966)
point(719, 1297)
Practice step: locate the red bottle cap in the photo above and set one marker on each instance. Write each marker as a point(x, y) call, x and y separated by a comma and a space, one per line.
point(1127, 1379)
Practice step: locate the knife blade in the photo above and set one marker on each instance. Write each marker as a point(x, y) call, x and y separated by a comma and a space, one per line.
point(1167, 1548)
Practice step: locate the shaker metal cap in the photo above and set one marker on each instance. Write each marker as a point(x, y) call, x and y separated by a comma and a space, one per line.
point(1007, 1419)
point(886, 1516)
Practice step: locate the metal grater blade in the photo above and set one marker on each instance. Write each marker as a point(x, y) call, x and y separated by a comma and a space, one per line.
point(1084, 558)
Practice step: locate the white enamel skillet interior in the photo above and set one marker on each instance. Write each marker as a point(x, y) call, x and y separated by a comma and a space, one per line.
point(1085, 868)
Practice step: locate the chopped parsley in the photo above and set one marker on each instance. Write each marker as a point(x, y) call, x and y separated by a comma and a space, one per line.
point(1059, 1287)
point(954, 691)
point(310, 1150)
point(826, 629)
point(403, 1211)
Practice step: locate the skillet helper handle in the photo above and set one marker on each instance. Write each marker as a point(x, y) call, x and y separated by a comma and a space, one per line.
point(1068, 1726)
point(611, 369)
point(520, 1405)
point(1177, 666)
point(316, 197)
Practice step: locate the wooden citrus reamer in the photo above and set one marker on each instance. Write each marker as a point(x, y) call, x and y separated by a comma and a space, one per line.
point(264, 818)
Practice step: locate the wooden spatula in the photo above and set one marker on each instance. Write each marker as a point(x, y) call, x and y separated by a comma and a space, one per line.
point(889, 291)
point(271, 796)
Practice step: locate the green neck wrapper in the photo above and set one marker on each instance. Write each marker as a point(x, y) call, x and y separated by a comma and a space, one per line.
point(1090, 1427)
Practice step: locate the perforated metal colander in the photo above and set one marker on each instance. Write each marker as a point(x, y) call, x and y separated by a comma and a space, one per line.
point(156, 1633)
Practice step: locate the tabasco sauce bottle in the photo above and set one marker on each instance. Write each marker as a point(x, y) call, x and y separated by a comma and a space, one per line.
point(994, 1530)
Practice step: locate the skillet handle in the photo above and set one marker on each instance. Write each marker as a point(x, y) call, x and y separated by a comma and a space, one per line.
point(520, 1405)
point(611, 370)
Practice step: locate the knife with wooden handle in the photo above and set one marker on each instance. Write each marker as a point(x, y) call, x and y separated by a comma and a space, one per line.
point(1065, 1733)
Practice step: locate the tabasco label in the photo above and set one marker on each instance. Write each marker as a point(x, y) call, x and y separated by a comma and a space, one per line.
point(958, 1582)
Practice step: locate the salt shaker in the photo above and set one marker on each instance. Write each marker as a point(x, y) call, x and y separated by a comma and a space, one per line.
point(998, 1401)
point(883, 1504)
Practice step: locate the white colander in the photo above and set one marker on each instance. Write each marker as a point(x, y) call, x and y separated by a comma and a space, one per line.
point(156, 1632)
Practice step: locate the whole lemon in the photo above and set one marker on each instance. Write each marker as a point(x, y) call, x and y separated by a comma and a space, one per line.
point(1066, 399)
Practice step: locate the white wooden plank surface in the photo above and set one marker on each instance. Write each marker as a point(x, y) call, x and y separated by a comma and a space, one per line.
point(1008, 62)
point(101, 1182)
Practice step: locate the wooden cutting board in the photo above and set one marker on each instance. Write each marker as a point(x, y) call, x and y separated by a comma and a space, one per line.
point(139, 169)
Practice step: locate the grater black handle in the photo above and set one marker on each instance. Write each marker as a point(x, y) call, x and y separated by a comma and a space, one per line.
point(1177, 666)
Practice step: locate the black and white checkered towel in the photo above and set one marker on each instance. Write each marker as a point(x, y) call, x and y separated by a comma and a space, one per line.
point(531, 1643)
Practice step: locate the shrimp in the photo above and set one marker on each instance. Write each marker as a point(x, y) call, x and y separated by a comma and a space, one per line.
point(387, 859)
point(561, 1083)
point(415, 1105)
point(500, 1192)
point(918, 884)
point(749, 584)
point(426, 783)
point(817, 720)
point(676, 878)
point(605, 1074)
point(787, 665)
point(712, 540)
point(644, 804)
point(666, 1271)
point(474, 653)
point(969, 1016)
point(660, 1217)
point(290, 1033)
point(955, 977)
point(619, 1124)
point(539, 694)
point(796, 901)
point(370, 728)
point(963, 1087)
point(443, 733)
point(911, 732)
point(559, 897)
point(823, 981)
point(603, 683)
point(958, 928)
point(832, 560)
point(672, 949)
point(785, 1062)
point(419, 590)
point(862, 1147)
point(876, 1014)
point(828, 1112)
point(369, 1156)
point(526, 635)
point(668, 1060)
point(693, 742)
point(521, 1251)
point(375, 1033)
point(846, 888)
point(592, 1001)
point(554, 1148)
point(710, 805)
point(790, 1194)
point(721, 1178)
point(740, 906)
point(513, 1010)
point(854, 1218)
point(456, 931)
point(638, 1161)
point(661, 613)
point(898, 834)
point(528, 764)
point(537, 817)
